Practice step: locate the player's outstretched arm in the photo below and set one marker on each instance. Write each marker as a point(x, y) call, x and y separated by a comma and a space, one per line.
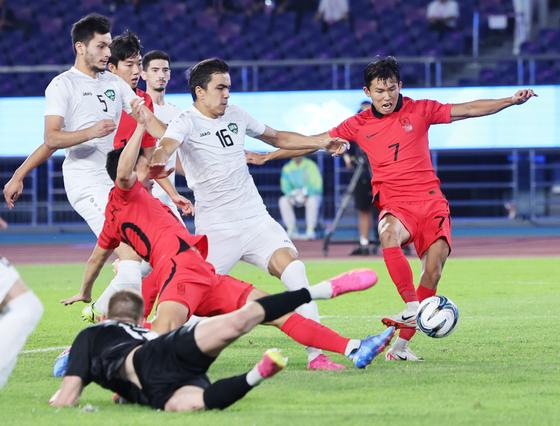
point(93, 268)
point(259, 158)
point(292, 140)
point(56, 138)
point(167, 146)
point(484, 107)
point(126, 177)
point(14, 187)
point(154, 126)
point(69, 393)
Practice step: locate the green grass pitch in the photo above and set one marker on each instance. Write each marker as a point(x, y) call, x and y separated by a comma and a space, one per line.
point(500, 366)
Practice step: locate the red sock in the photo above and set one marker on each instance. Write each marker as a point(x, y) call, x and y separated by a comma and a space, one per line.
point(311, 333)
point(149, 293)
point(423, 293)
point(400, 272)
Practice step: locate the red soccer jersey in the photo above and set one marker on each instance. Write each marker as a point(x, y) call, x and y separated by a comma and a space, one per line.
point(397, 148)
point(128, 124)
point(138, 219)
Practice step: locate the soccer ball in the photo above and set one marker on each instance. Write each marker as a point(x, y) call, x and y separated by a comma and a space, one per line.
point(437, 316)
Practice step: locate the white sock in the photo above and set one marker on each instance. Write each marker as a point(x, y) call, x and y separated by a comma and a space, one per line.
point(352, 344)
point(323, 290)
point(254, 378)
point(364, 241)
point(128, 276)
point(412, 306)
point(19, 318)
point(400, 343)
point(295, 278)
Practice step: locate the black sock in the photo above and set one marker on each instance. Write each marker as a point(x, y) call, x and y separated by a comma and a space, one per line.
point(224, 392)
point(277, 305)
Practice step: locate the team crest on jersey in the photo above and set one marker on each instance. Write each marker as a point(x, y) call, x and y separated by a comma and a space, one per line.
point(233, 128)
point(110, 94)
point(407, 125)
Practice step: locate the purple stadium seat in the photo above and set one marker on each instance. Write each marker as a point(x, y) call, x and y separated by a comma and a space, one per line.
point(453, 44)
point(206, 20)
point(259, 24)
point(51, 26)
point(530, 48)
point(414, 14)
point(384, 5)
point(173, 10)
point(229, 31)
point(363, 28)
point(285, 23)
point(413, 74)
point(488, 77)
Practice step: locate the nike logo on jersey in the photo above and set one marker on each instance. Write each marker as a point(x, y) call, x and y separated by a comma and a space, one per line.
point(371, 136)
point(204, 134)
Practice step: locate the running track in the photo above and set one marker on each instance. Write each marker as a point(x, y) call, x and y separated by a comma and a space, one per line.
point(463, 247)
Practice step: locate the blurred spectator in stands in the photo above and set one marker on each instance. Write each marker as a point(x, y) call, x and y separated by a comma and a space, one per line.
point(442, 16)
point(333, 11)
point(7, 17)
point(302, 185)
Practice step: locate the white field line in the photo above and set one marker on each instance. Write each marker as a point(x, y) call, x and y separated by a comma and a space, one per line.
point(34, 351)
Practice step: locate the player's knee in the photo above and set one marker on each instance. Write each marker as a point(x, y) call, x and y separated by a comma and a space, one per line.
point(241, 323)
point(431, 277)
point(28, 310)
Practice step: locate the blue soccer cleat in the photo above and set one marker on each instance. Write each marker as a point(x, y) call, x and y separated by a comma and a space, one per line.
point(59, 369)
point(371, 347)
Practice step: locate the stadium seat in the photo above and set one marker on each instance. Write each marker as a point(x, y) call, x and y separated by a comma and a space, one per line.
point(284, 23)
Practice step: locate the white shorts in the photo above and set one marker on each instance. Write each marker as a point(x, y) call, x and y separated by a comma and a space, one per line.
point(90, 202)
point(8, 277)
point(252, 240)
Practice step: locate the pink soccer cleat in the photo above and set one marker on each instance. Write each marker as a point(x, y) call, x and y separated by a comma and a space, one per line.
point(322, 362)
point(355, 280)
point(272, 363)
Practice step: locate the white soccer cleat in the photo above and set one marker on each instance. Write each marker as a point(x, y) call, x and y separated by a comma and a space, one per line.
point(404, 354)
point(406, 319)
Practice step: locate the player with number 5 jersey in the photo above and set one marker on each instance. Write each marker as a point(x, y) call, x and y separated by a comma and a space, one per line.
point(209, 138)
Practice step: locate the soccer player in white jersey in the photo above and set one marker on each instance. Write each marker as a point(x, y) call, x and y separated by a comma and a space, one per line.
point(84, 106)
point(209, 138)
point(156, 72)
point(20, 312)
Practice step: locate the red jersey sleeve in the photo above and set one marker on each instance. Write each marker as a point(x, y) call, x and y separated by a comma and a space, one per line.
point(435, 112)
point(106, 240)
point(127, 126)
point(345, 130)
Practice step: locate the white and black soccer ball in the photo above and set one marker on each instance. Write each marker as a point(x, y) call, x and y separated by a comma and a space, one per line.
point(437, 316)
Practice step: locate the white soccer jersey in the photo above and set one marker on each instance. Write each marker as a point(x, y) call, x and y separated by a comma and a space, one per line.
point(83, 101)
point(213, 156)
point(165, 114)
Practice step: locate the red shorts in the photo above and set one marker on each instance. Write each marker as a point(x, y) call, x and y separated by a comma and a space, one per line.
point(427, 221)
point(188, 279)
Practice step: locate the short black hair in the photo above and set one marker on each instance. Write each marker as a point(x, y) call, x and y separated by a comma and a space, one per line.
point(86, 28)
point(126, 304)
point(125, 46)
point(154, 55)
point(382, 69)
point(201, 73)
point(112, 163)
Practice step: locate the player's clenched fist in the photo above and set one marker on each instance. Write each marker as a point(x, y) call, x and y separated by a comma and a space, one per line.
point(523, 96)
point(103, 128)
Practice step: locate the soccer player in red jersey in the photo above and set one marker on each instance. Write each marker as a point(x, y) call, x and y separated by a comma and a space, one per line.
point(394, 135)
point(187, 284)
point(126, 62)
